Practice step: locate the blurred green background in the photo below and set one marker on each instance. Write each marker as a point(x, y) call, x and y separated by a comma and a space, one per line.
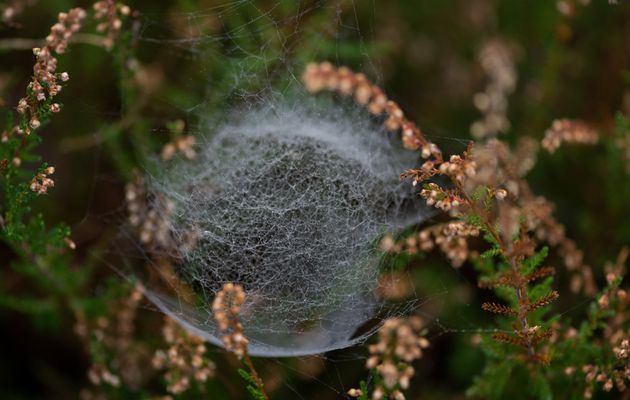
point(191, 59)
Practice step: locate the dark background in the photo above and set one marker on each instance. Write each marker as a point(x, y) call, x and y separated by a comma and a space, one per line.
point(188, 59)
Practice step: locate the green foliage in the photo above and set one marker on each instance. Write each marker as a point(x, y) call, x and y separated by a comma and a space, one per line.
point(252, 385)
point(495, 378)
point(490, 253)
point(41, 252)
point(189, 60)
point(535, 261)
point(364, 391)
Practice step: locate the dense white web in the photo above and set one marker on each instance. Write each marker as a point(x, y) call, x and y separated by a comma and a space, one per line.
point(289, 195)
point(288, 201)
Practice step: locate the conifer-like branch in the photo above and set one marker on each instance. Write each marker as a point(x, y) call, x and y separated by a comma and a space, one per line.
point(492, 283)
point(541, 336)
point(540, 273)
point(509, 339)
point(543, 301)
point(499, 309)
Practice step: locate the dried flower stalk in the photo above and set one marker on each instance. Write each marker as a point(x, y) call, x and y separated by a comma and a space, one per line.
point(399, 344)
point(185, 360)
point(324, 76)
point(226, 307)
point(110, 14)
point(114, 334)
point(497, 60)
point(468, 173)
point(568, 131)
point(47, 82)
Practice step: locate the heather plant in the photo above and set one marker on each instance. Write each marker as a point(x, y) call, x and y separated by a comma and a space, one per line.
point(41, 251)
point(348, 199)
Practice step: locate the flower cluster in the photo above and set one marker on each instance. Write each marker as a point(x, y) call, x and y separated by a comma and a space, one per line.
point(185, 360)
point(99, 374)
point(393, 286)
point(452, 241)
point(458, 169)
point(354, 392)
point(623, 350)
point(110, 13)
point(150, 218)
point(325, 76)
point(497, 60)
point(7, 12)
point(607, 332)
point(568, 131)
point(115, 337)
point(450, 237)
point(182, 144)
point(607, 375)
point(179, 142)
point(41, 182)
point(400, 342)
point(46, 82)
point(12, 8)
point(568, 8)
point(226, 306)
point(445, 199)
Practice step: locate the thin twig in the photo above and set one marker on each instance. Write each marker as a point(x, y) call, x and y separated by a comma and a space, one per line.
point(29, 44)
point(252, 370)
point(508, 254)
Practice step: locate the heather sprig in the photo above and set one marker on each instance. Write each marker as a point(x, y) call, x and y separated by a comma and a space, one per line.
point(475, 198)
point(42, 252)
point(226, 307)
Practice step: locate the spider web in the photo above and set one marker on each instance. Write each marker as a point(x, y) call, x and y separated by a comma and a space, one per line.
point(265, 49)
point(236, 55)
